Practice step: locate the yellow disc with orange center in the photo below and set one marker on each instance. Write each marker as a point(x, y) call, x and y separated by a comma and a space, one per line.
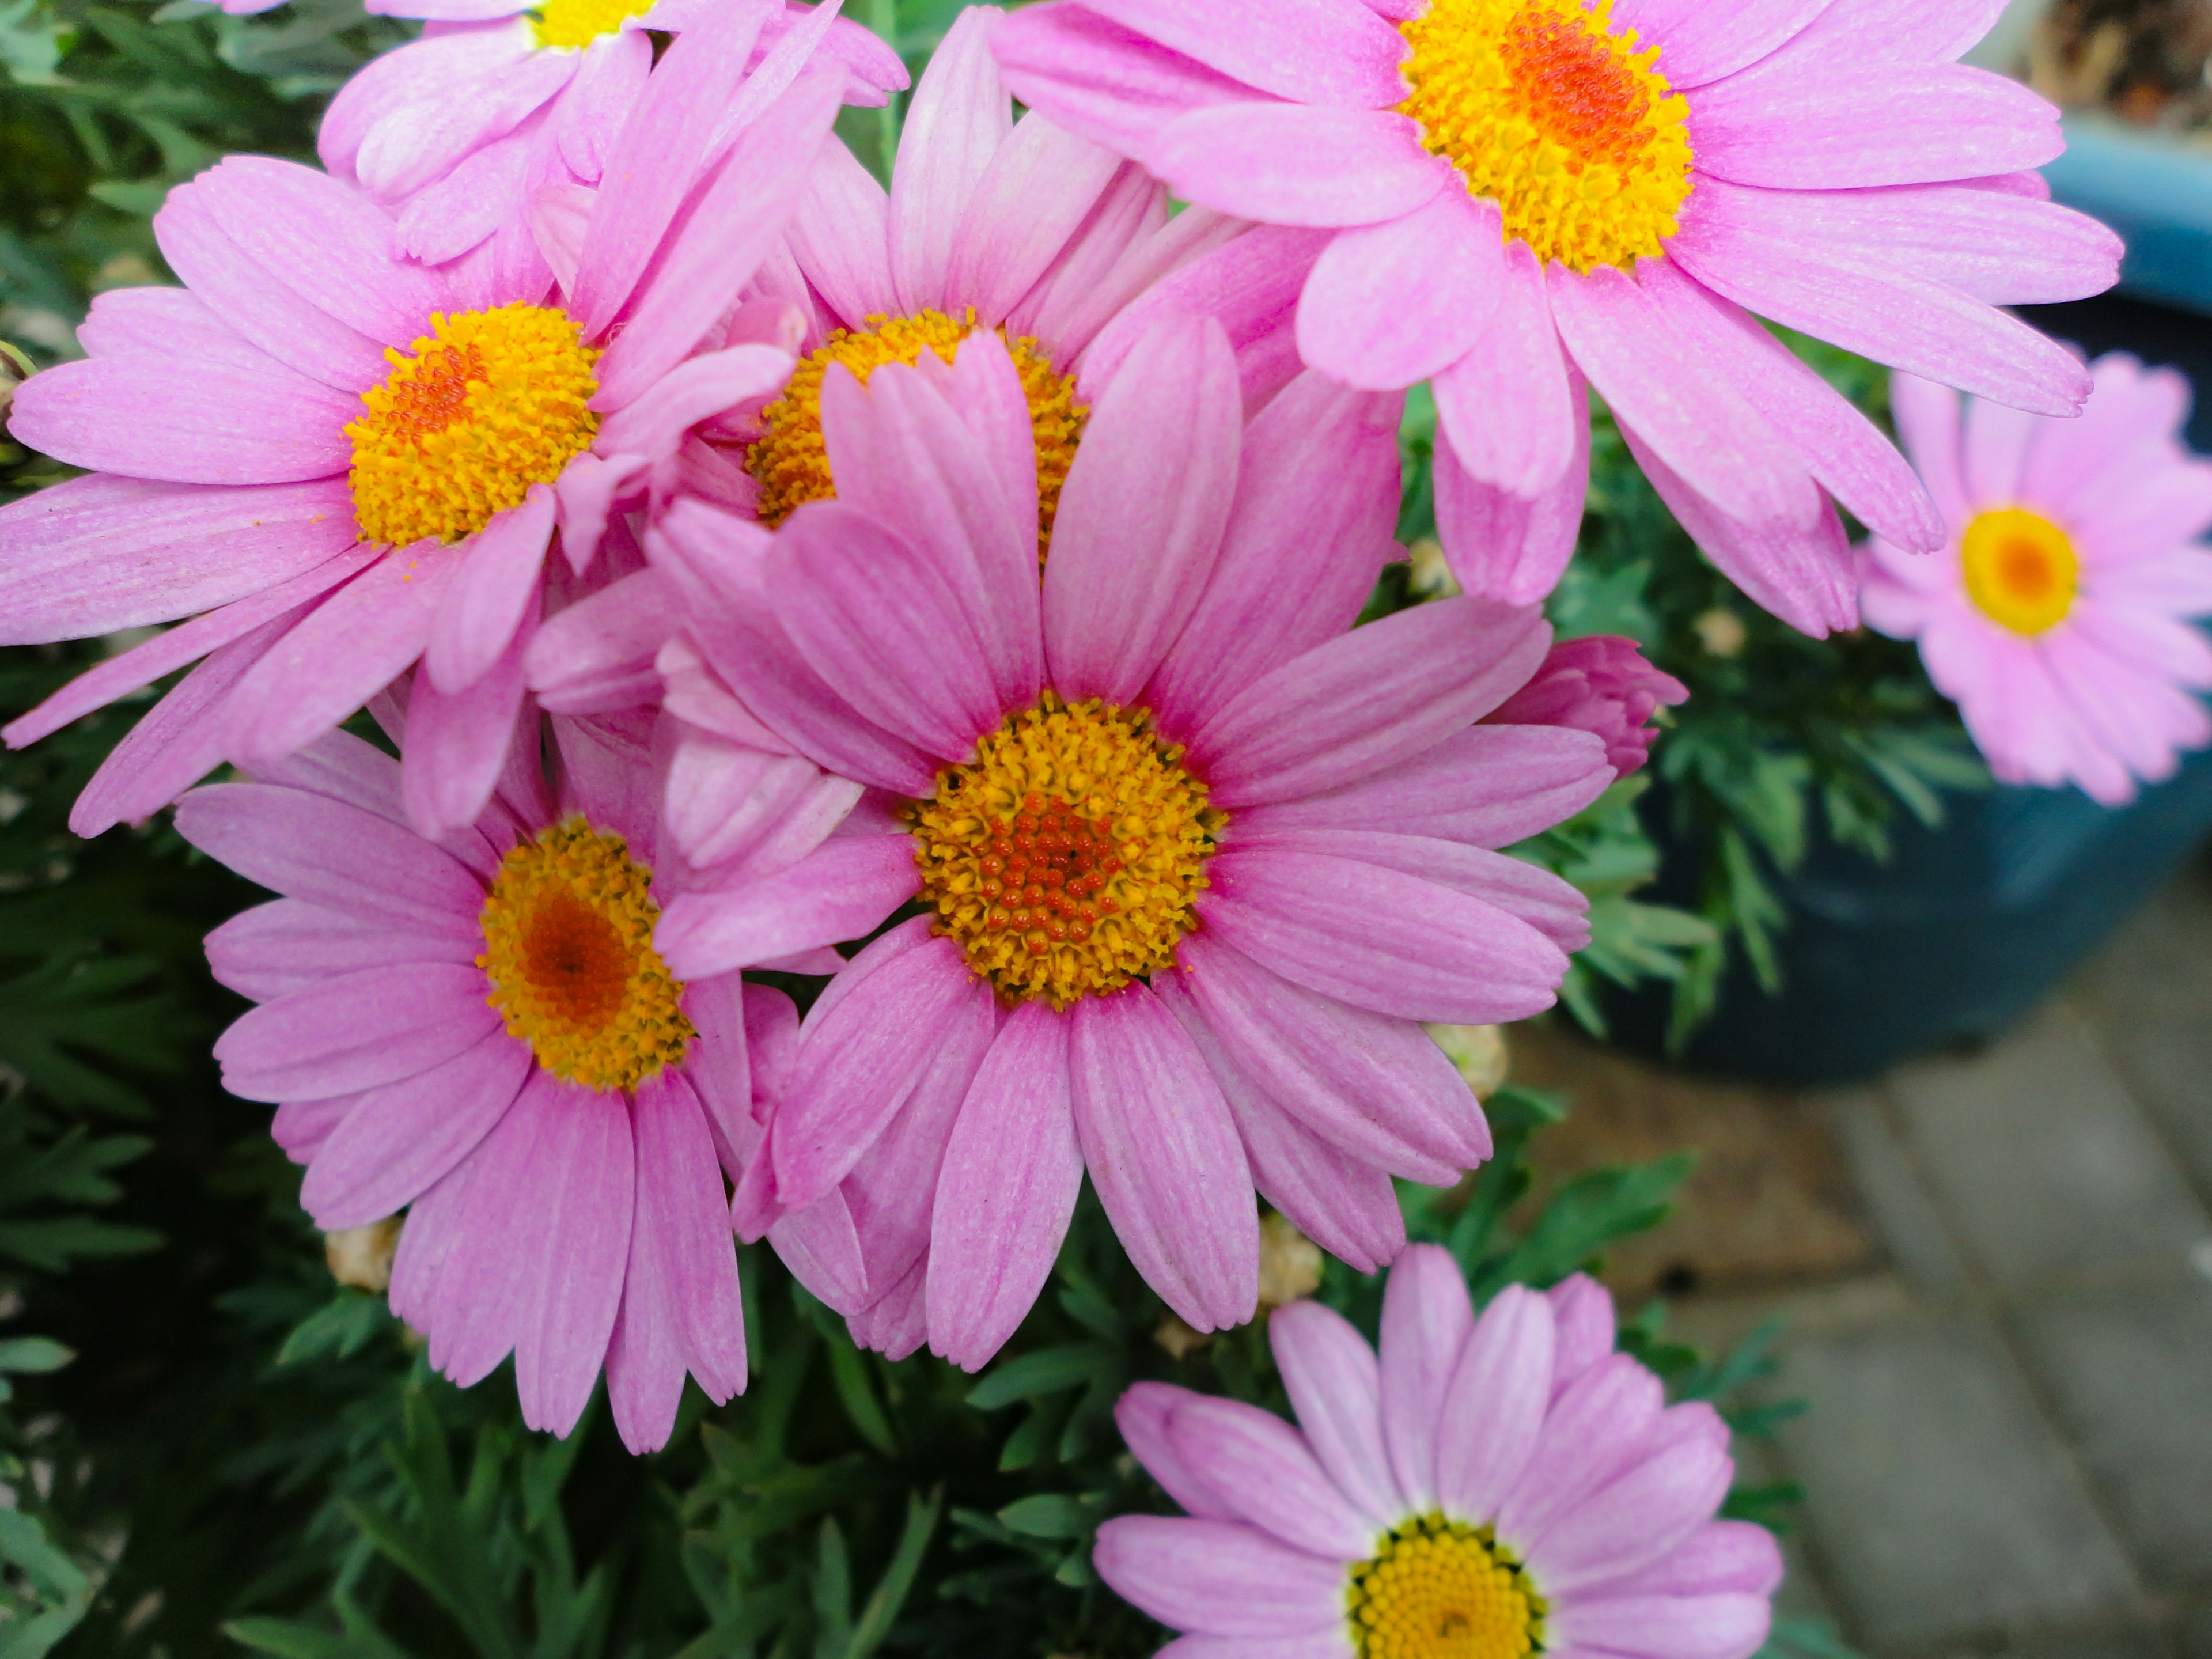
point(1443, 1590)
point(2021, 569)
point(1067, 856)
point(791, 462)
point(570, 24)
point(483, 407)
point(568, 932)
point(1547, 109)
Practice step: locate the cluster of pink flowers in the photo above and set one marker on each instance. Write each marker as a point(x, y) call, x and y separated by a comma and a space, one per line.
point(744, 561)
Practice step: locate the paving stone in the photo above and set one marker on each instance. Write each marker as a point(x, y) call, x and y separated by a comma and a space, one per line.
point(1904, 1217)
point(1939, 1503)
point(2150, 995)
point(2041, 1159)
point(2130, 1374)
point(2102, 1640)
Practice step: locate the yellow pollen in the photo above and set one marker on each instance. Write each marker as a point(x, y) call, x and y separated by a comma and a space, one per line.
point(1543, 108)
point(1065, 857)
point(1443, 1590)
point(488, 403)
point(567, 934)
point(792, 463)
point(2021, 568)
point(574, 23)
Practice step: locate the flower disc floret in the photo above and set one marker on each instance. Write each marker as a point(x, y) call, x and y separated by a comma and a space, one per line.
point(2021, 568)
point(791, 462)
point(1067, 856)
point(575, 23)
point(483, 407)
point(568, 932)
point(1437, 1588)
point(1547, 109)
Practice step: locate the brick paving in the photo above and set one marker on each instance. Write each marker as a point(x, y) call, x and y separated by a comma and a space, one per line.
point(2009, 1451)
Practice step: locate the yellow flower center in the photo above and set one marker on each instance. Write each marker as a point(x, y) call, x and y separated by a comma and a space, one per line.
point(567, 934)
point(1067, 856)
point(2021, 568)
point(1543, 108)
point(574, 23)
point(1443, 1590)
point(792, 463)
point(489, 402)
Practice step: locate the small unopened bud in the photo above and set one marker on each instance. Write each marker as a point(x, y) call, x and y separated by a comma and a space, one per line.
point(1177, 1339)
point(361, 1256)
point(1721, 632)
point(15, 369)
point(1430, 575)
point(1290, 1264)
point(1478, 1053)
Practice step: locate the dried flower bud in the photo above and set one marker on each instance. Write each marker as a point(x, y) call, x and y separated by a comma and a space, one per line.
point(1290, 1263)
point(361, 1256)
point(1478, 1052)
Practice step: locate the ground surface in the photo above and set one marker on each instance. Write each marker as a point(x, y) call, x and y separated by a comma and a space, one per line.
point(1996, 1273)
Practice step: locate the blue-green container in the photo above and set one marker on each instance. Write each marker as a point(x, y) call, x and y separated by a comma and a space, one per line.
point(2156, 191)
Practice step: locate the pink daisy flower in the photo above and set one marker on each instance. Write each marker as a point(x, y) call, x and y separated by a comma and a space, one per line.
point(1198, 856)
point(1499, 1486)
point(1517, 198)
point(315, 444)
point(1062, 247)
point(2058, 616)
point(454, 131)
point(479, 1027)
point(1602, 685)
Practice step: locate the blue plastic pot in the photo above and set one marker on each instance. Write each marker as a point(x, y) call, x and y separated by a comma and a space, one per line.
point(2154, 189)
point(1967, 928)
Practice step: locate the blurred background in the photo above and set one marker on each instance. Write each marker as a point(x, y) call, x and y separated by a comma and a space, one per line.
point(1942, 1051)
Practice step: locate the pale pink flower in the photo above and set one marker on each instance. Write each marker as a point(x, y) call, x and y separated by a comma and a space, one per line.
point(1599, 685)
point(315, 444)
point(1251, 846)
point(1515, 197)
point(2058, 614)
point(455, 130)
point(1500, 1485)
point(477, 1029)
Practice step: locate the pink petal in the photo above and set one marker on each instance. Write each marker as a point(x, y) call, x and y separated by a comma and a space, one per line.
point(1788, 125)
point(900, 649)
point(1489, 786)
point(1311, 52)
point(1262, 1466)
point(1596, 1428)
point(1335, 1387)
point(1143, 1415)
point(1427, 1319)
point(1929, 425)
point(1494, 1404)
point(1315, 509)
point(1720, 1556)
point(1394, 303)
point(858, 1064)
point(842, 890)
point(1738, 243)
point(1504, 406)
point(359, 1031)
point(1581, 1309)
point(1296, 164)
point(218, 425)
point(960, 116)
point(841, 235)
point(1380, 938)
point(1637, 1518)
point(1346, 1206)
point(681, 1309)
point(1141, 519)
point(1007, 1190)
point(1373, 1086)
point(1507, 547)
point(1366, 701)
point(458, 745)
point(1219, 1578)
point(308, 847)
point(1723, 1626)
point(1699, 44)
point(287, 944)
point(544, 1248)
point(403, 1137)
point(1162, 1152)
point(1035, 196)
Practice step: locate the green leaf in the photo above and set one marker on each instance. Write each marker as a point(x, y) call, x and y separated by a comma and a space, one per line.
point(1049, 1371)
point(1047, 1514)
point(32, 1355)
point(1586, 1215)
point(849, 1371)
point(892, 1589)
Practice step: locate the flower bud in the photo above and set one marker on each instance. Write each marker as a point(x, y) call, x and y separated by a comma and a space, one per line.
point(1602, 685)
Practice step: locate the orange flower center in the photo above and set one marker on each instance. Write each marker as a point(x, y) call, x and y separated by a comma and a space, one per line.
point(2021, 569)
